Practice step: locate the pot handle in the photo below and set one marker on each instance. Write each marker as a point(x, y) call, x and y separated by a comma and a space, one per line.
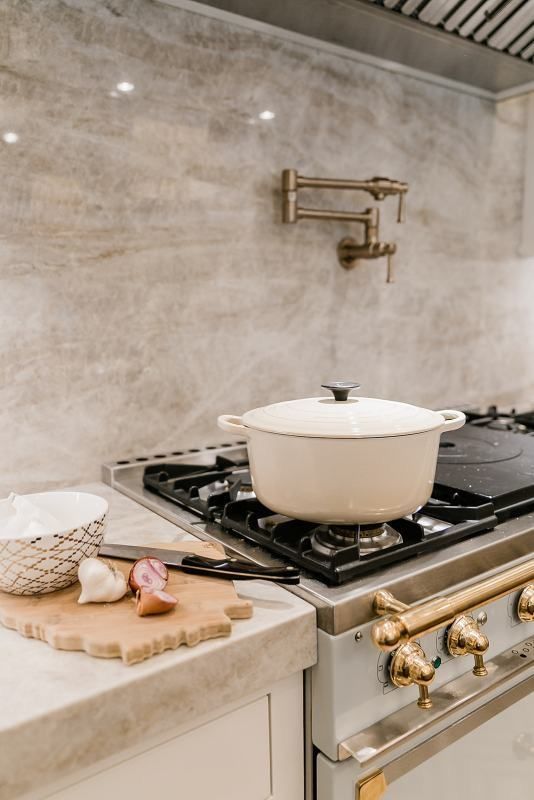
point(232, 424)
point(452, 419)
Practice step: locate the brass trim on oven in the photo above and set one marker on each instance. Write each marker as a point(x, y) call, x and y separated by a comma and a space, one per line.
point(372, 788)
point(408, 623)
point(460, 694)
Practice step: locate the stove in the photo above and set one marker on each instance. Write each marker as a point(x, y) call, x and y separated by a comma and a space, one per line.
point(485, 475)
point(476, 531)
point(477, 518)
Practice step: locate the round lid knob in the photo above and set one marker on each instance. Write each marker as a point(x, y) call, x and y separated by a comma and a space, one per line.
point(340, 389)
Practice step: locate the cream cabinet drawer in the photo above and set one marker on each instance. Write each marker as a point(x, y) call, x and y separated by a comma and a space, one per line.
point(228, 758)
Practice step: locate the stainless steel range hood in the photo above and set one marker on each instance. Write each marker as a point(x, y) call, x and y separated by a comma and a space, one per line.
point(488, 44)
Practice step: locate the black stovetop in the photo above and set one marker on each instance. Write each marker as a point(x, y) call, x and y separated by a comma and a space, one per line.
point(485, 474)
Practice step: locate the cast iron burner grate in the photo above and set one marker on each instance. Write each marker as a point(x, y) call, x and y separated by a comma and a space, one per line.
point(222, 493)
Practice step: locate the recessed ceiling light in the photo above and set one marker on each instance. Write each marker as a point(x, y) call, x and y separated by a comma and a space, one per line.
point(10, 137)
point(266, 114)
point(125, 86)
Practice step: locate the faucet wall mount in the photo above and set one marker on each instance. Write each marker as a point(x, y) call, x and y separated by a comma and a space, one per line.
point(349, 251)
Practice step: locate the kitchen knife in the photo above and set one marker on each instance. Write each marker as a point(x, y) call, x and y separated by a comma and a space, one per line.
point(226, 567)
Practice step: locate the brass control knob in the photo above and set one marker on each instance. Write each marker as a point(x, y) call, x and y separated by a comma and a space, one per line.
point(525, 606)
point(410, 666)
point(465, 637)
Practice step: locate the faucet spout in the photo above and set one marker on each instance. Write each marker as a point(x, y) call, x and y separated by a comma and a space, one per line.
point(349, 252)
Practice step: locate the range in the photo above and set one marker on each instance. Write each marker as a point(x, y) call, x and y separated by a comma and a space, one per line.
point(394, 601)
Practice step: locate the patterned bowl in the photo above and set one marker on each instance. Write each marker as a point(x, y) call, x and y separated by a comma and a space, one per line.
point(42, 564)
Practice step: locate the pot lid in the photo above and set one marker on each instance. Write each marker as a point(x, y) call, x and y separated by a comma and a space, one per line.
point(342, 417)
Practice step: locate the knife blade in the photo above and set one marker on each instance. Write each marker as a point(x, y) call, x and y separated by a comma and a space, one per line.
point(226, 567)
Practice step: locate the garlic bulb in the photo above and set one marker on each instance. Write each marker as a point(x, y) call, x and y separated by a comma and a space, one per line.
point(100, 583)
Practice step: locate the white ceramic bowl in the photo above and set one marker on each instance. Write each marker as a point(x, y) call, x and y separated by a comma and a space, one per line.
point(45, 563)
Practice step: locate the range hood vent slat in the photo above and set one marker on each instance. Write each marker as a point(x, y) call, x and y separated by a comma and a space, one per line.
point(436, 11)
point(513, 27)
point(528, 53)
point(461, 14)
point(480, 15)
point(409, 7)
point(484, 44)
point(498, 19)
point(493, 23)
point(522, 42)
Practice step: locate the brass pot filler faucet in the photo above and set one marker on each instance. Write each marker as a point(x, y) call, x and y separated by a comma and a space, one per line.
point(349, 251)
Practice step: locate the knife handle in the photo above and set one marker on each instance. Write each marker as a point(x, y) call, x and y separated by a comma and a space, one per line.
point(232, 568)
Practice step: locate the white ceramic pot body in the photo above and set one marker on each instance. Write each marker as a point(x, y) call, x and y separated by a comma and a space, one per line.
point(343, 481)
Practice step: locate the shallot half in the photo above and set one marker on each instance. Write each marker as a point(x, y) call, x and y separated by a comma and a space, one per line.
point(148, 573)
point(153, 601)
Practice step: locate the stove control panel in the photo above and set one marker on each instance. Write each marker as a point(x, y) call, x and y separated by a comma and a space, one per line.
point(354, 684)
point(402, 624)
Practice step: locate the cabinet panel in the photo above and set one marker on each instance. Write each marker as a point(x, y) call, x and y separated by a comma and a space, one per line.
point(228, 758)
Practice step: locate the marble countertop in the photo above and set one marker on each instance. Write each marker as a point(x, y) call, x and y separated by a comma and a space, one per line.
point(64, 711)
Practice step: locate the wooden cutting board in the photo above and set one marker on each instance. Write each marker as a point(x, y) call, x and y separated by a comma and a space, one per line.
point(205, 609)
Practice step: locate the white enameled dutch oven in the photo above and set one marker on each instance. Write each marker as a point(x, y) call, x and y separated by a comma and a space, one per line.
point(342, 460)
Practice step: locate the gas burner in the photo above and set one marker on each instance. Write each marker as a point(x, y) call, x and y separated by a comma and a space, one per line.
point(327, 542)
point(373, 539)
point(340, 535)
point(494, 419)
point(245, 492)
point(366, 538)
point(203, 489)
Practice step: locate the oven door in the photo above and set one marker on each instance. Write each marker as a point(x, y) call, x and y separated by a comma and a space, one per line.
point(486, 753)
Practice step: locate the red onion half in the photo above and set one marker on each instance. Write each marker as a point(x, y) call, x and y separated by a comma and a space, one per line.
point(148, 573)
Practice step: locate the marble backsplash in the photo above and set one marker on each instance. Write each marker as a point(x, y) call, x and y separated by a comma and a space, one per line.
point(146, 281)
